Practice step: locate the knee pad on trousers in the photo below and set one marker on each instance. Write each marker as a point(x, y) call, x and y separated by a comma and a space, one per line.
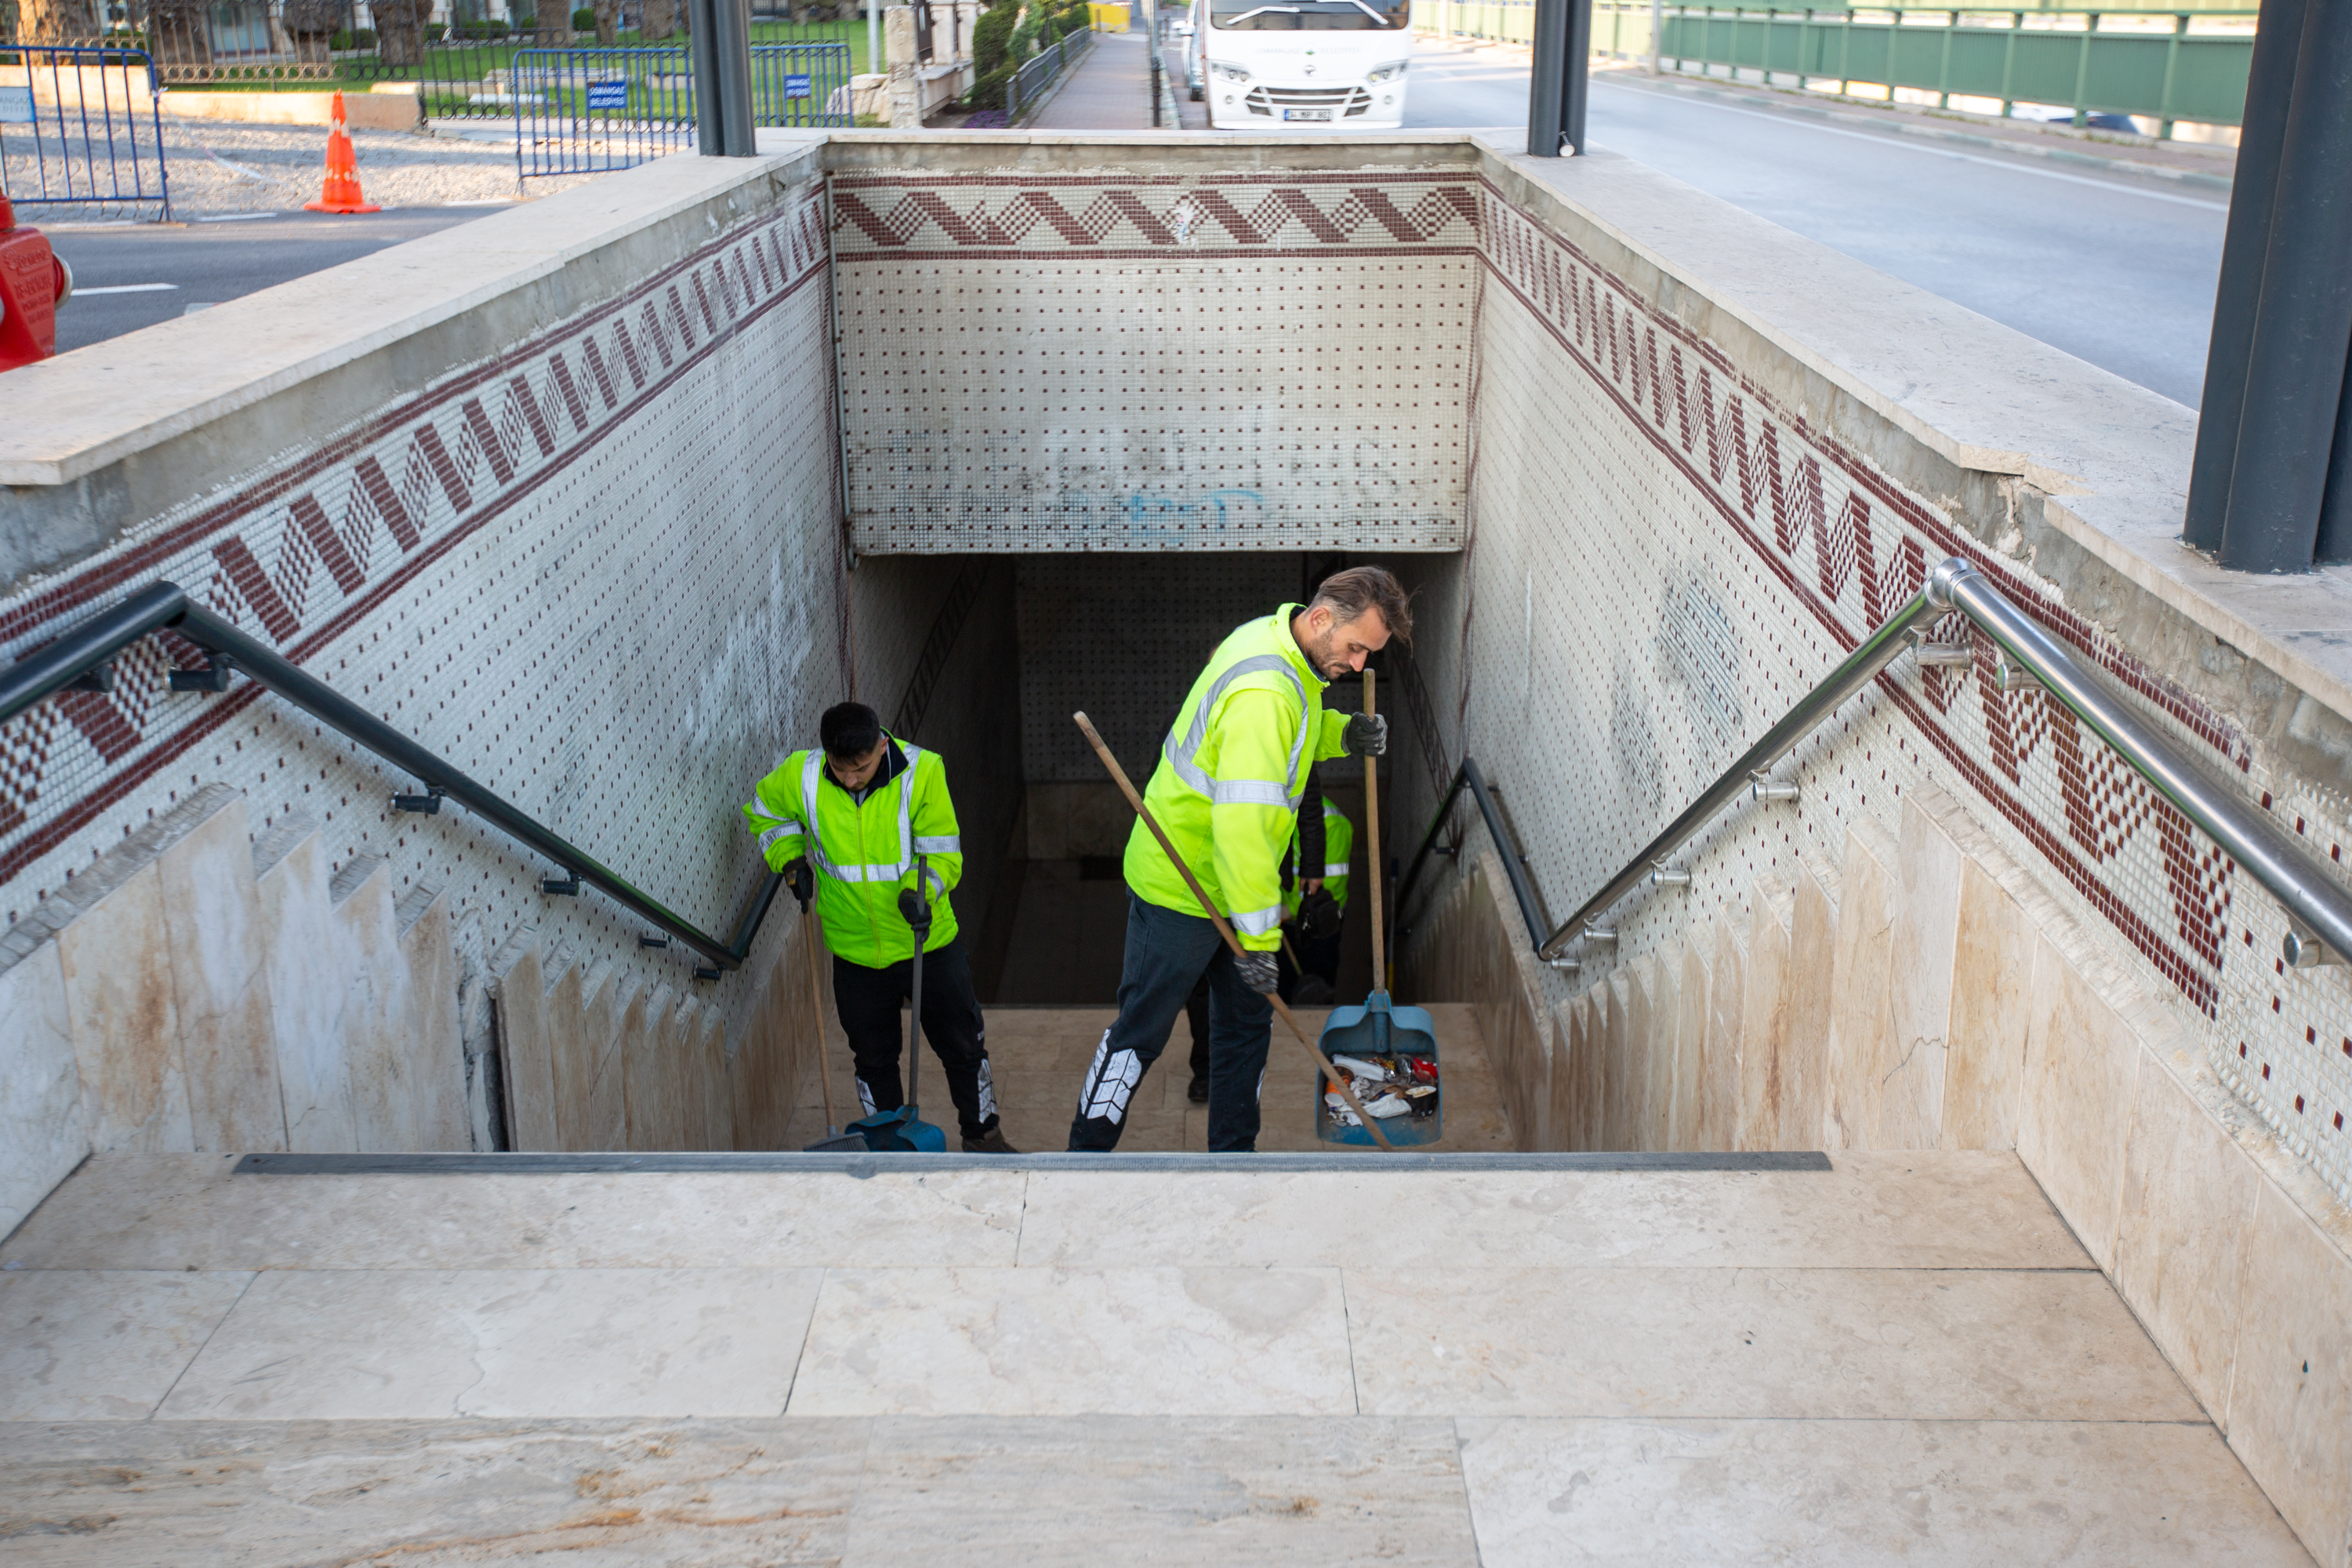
point(1109, 1082)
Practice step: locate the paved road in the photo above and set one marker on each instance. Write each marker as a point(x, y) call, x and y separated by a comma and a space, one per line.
point(2117, 272)
point(208, 263)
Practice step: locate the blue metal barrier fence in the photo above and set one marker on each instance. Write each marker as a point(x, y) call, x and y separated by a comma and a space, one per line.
point(585, 111)
point(80, 126)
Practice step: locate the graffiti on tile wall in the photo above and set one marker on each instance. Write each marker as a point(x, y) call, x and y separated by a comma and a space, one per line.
point(1035, 363)
point(1850, 548)
point(315, 555)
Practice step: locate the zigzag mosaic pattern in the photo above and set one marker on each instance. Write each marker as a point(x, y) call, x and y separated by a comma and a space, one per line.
point(978, 213)
point(1842, 547)
point(308, 555)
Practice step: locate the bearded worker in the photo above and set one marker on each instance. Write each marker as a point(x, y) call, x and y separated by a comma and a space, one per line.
point(1227, 791)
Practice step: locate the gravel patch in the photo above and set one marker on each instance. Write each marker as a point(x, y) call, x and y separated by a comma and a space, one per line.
point(222, 167)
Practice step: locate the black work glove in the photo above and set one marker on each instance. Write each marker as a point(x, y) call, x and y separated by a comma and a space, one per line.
point(916, 912)
point(1319, 916)
point(800, 880)
point(1367, 735)
point(1257, 971)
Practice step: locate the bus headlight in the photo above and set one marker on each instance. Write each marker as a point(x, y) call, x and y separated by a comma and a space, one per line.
point(1225, 72)
point(1389, 72)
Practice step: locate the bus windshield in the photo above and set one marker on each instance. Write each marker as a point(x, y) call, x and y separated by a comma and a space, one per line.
point(1309, 16)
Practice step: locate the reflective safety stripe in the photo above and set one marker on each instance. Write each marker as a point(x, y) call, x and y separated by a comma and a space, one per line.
point(947, 846)
point(1257, 923)
point(781, 830)
point(1179, 754)
point(1249, 792)
point(810, 778)
point(1336, 869)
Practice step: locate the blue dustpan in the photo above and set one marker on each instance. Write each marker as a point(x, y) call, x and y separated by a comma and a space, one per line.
point(1379, 1028)
point(900, 1132)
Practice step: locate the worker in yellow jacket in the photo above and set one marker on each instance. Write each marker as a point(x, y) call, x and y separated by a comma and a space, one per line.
point(1232, 775)
point(848, 824)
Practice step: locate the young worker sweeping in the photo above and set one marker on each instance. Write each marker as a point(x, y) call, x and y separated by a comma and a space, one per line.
point(1226, 791)
point(875, 804)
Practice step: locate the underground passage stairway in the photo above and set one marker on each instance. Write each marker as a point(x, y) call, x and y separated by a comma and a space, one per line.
point(1514, 1360)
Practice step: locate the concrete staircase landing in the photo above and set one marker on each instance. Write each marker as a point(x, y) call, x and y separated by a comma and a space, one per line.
point(1903, 1356)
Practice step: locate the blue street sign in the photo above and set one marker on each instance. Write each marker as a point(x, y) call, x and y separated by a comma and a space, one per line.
point(796, 86)
point(608, 94)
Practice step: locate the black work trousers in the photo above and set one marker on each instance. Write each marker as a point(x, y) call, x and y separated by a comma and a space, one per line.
point(867, 1001)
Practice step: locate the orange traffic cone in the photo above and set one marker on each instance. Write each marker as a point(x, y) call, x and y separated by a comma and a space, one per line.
point(341, 193)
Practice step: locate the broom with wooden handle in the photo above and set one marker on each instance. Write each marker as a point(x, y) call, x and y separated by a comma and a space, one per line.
point(1208, 907)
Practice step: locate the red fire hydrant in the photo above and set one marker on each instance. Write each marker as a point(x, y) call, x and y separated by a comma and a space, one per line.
point(34, 281)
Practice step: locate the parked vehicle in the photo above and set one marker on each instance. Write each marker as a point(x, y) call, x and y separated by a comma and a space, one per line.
point(1301, 65)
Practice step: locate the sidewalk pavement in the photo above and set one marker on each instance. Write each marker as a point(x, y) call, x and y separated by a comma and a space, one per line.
point(1111, 91)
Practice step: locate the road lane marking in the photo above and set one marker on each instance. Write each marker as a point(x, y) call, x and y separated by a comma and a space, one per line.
point(233, 218)
point(1910, 145)
point(126, 288)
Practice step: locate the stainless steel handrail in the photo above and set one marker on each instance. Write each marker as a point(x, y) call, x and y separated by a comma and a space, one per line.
point(164, 607)
point(2319, 907)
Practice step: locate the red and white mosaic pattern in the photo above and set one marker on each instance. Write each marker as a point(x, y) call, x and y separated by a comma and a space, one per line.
point(1662, 559)
point(578, 571)
point(1040, 364)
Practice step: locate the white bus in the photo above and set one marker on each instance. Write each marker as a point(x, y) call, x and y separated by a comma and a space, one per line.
point(1301, 65)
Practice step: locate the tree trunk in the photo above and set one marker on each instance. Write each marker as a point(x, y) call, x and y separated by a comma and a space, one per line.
point(312, 24)
point(608, 28)
point(659, 19)
point(55, 21)
point(400, 30)
point(177, 34)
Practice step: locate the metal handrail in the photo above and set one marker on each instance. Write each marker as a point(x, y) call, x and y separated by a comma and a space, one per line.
point(164, 607)
point(1523, 888)
point(2319, 908)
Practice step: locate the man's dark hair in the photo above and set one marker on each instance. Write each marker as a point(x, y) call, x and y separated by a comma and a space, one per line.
point(1360, 588)
point(849, 730)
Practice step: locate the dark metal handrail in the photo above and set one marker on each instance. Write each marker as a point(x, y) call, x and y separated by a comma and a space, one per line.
point(2318, 907)
point(1522, 887)
point(164, 607)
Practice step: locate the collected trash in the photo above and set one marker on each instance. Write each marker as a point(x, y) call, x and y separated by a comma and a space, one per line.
point(1388, 1086)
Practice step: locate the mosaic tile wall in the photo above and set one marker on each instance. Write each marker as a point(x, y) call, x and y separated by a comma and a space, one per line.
point(575, 569)
point(1660, 560)
point(1233, 361)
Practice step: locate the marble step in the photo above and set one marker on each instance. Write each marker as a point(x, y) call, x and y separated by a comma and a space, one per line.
point(1965, 1210)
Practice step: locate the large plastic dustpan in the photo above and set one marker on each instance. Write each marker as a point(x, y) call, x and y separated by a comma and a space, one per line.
point(900, 1132)
point(1379, 1028)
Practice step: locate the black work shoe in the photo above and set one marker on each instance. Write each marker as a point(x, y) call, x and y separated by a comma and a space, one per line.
point(989, 1142)
point(1198, 1093)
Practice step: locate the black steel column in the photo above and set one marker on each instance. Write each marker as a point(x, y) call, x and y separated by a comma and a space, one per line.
point(1558, 87)
point(2295, 357)
point(722, 49)
point(2245, 245)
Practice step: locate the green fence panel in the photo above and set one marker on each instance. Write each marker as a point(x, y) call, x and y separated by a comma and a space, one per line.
point(2164, 76)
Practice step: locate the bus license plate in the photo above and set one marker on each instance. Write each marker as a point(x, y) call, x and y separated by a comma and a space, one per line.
point(1306, 114)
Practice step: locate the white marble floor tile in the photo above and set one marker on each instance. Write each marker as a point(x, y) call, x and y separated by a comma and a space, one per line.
point(97, 1346)
point(1825, 1494)
point(1890, 1210)
point(428, 1494)
point(189, 1211)
point(1821, 1343)
point(352, 1344)
point(1094, 1490)
point(1053, 1341)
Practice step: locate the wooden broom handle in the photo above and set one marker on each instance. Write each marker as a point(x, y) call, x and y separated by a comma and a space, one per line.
point(1330, 1073)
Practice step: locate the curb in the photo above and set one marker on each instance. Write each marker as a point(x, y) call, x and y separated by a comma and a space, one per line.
point(1768, 100)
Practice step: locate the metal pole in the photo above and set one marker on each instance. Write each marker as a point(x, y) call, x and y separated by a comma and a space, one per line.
point(720, 47)
point(1657, 33)
point(2245, 245)
point(2302, 327)
point(874, 39)
point(1560, 82)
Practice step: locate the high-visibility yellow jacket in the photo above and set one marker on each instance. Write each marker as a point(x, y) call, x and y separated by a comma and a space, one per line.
point(864, 851)
point(1230, 777)
point(1338, 838)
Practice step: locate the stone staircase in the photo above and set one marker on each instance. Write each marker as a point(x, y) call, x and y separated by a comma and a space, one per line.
point(1537, 1360)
